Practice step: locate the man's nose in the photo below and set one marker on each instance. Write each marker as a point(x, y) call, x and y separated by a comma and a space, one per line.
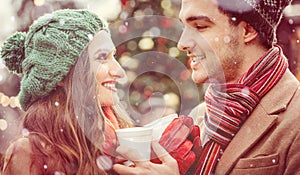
point(185, 42)
point(182, 47)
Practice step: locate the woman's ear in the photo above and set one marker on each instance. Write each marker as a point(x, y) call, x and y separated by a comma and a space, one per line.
point(249, 33)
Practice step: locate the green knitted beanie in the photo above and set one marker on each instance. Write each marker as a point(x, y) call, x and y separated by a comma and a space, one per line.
point(47, 52)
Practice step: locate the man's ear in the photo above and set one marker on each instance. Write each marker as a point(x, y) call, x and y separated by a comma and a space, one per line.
point(249, 33)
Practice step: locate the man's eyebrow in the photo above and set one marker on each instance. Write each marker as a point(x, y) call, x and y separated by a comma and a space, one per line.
point(202, 18)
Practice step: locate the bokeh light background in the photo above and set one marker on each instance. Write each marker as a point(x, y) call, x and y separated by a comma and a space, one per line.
point(19, 14)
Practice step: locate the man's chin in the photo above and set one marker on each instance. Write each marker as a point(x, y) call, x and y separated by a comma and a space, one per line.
point(200, 80)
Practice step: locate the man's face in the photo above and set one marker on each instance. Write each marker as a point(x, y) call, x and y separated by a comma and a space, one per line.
point(211, 41)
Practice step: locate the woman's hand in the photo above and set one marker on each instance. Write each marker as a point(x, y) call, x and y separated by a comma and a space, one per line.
point(168, 166)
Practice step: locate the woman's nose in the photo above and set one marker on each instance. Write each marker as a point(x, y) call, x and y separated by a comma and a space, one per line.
point(116, 70)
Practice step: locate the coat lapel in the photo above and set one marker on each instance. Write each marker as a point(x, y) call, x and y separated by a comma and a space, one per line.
point(248, 135)
point(260, 121)
point(280, 95)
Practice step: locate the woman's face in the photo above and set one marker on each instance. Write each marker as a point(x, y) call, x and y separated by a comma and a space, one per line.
point(105, 67)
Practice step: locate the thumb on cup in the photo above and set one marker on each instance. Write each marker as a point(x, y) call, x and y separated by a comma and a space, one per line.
point(162, 154)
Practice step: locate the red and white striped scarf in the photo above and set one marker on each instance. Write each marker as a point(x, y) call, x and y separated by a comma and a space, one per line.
point(229, 105)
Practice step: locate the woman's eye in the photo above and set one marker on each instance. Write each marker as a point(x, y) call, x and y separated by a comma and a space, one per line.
point(101, 56)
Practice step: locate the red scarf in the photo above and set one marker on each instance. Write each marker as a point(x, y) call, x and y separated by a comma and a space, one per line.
point(229, 105)
point(110, 115)
point(111, 124)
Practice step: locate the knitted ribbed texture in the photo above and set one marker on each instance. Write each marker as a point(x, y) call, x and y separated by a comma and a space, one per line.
point(229, 105)
point(270, 10)
point(263, 15)
point(52, 45)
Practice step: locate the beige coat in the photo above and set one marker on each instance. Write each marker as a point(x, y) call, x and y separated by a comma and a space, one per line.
point(269, 141)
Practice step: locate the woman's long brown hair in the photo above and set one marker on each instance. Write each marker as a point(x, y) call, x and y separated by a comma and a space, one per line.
point(66, 127)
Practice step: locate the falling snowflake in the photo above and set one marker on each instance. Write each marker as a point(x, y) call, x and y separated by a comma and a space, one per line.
point(226, 39)
point(90, 36)
point(104, 162)
point(25, 132)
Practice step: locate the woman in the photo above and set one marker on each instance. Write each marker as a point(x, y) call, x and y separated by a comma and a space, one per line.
point(68, 94)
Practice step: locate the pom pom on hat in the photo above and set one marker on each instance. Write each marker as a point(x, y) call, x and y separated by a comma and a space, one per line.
point(13, 52)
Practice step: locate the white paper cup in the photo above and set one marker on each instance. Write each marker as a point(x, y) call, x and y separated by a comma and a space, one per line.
point(138, 139)
point(160, 125)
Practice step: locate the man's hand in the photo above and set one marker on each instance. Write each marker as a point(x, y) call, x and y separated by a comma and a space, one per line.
point(167, 167)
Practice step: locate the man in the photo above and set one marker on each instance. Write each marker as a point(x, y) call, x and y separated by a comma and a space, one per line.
point(249, 118)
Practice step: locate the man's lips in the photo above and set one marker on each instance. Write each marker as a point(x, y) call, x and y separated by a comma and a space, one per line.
point(195, 60)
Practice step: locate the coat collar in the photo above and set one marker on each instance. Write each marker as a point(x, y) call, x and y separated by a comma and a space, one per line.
point(273, 103)
point(276, 101)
